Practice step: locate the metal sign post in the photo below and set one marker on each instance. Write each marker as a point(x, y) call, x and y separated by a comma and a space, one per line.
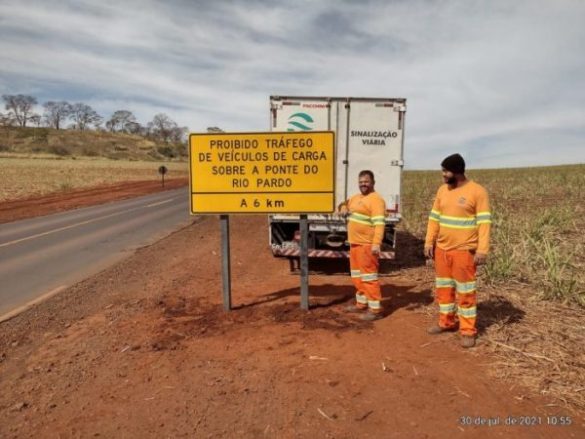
point(225, 262)
point(162, 171)
point(304, 263)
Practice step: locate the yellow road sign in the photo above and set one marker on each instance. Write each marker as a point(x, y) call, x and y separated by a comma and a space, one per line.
point(292, 172)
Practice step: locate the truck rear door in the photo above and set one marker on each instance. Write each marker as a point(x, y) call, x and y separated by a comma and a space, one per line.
point(374, 130)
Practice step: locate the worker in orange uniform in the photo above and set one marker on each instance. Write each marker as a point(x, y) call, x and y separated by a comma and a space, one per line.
point(366, 212)
point(457, 239)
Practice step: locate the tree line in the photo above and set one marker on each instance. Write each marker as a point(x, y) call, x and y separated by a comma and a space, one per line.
point(57, 114)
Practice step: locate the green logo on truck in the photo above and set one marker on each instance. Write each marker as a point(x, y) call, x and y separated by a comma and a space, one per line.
point(300, 122)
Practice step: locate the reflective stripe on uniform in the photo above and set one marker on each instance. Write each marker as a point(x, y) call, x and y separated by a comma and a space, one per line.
point(446, 308)
point(360, 219)
point(378, 220)
point(369, 277)
point(456, 222)
point(374, 304)
point(355, 273)
point(371, 221)
point(467, 312)
point(465, 287)
point(484, 218)
point(435, 216)
point(444, 282)
point(360, 298)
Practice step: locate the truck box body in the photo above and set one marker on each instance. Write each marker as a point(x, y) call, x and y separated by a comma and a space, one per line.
point(369, 134)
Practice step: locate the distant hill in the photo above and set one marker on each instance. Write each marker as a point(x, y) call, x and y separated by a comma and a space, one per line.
point(116, 146)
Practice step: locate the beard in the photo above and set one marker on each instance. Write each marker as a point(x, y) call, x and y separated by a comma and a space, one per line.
point(451, 181)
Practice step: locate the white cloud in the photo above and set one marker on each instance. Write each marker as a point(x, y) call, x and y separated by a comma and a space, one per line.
point(477, 75)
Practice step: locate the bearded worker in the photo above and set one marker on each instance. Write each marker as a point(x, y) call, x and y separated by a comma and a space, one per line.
point(458, 239)
point(365, 231)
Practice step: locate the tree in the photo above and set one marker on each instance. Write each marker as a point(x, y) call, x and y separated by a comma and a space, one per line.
point(56, 113)
point(179, 134)
point(122, 120)
point(134, 128)
point(83, 116)
point(162, 127)
point(36, 119)
point(6, 120)
point(20, 107)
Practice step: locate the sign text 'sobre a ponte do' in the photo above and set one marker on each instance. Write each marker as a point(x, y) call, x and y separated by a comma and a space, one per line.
point(290, 172)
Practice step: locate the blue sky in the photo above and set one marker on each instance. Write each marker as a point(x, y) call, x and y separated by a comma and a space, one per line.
point(501, 82)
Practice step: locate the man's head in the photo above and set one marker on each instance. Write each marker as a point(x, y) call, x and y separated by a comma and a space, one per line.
point(366, 182)
point(453, 168)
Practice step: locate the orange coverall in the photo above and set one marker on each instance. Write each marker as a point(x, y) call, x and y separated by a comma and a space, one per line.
point(458, 227)
point(366, 228)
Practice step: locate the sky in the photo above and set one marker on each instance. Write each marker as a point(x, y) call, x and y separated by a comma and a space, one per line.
point(500, 82)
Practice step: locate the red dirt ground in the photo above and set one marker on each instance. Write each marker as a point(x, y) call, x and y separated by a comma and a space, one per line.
point(14, 210)
point(144, 349)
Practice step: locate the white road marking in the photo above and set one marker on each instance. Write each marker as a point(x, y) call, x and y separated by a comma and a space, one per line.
point(26, 306)
point(93, 220)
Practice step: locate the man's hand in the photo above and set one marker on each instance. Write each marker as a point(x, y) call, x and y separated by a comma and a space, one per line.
point(429, 251)
point(375, 249)
point(479, 258)
point(343, 210)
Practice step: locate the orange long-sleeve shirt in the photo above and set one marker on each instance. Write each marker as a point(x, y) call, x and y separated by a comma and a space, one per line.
point(460, 219)
point(366, 219)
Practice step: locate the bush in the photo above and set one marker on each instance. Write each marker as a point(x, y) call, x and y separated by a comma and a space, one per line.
point(153, 155)
point(90, 153)
point(59, 150)
point(167, 151)
point(41, 135)
point(23, 133)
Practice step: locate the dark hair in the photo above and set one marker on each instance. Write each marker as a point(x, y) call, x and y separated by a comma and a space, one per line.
point(454, 163)
point(367, 172)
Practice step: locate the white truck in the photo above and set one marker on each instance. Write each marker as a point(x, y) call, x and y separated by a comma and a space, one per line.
point(369, 134)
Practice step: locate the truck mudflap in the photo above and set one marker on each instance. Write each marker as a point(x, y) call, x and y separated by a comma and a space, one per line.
point(314, 253)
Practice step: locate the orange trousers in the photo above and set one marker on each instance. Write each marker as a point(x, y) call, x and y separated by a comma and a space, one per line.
point(364, 275)
point(455, 281)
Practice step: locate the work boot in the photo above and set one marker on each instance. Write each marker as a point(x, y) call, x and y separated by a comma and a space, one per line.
point(370, 316)
point(436, 329)
point(354, 308)
point(467, 341)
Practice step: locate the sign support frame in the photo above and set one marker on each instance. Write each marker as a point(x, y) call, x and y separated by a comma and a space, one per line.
point(304, 263)
point(225, 262)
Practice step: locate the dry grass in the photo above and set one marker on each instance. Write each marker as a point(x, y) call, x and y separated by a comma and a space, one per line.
point(25, 177)
point(544, 350)
point(532, 294)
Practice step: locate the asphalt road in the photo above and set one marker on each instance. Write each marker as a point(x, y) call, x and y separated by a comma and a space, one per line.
point(44, 255)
